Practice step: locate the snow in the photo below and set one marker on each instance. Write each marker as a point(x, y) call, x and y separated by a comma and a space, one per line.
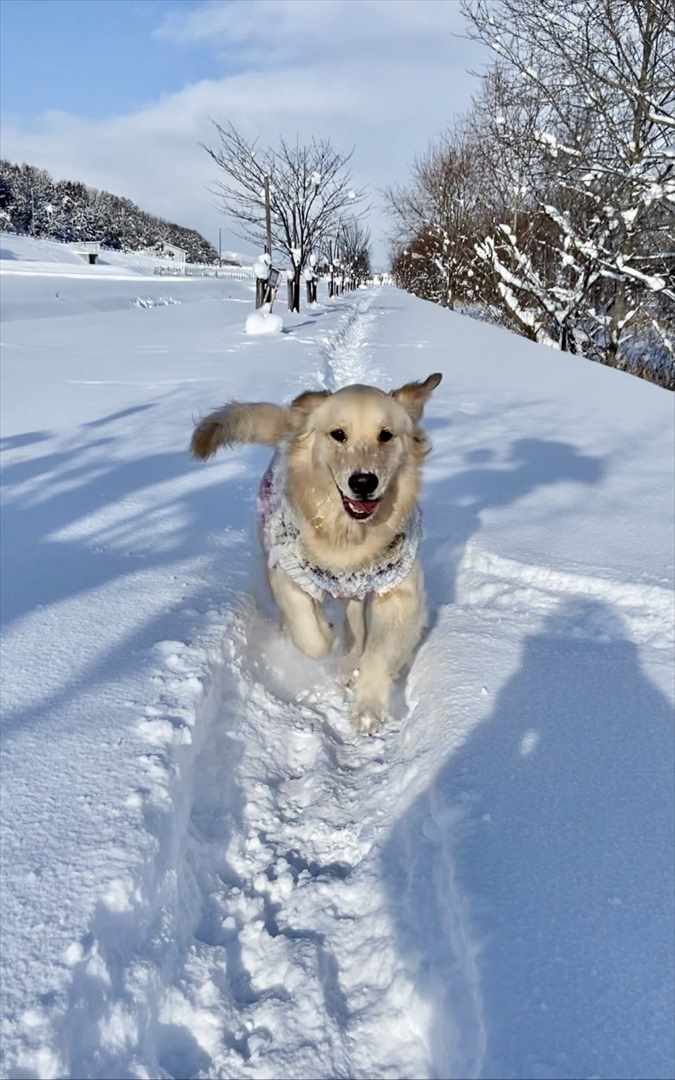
point(264, 322)
point(261, 266)
point(27, 255)
point(652, 281)
point(205, 871)
point(36, 282)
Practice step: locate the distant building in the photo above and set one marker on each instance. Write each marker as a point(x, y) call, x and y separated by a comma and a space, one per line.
point(88, 249)
point(177, 254)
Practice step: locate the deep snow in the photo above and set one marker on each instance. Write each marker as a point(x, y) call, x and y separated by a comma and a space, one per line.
point(204, 871)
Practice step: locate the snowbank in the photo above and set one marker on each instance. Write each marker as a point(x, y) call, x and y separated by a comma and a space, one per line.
point(148, 302)
point(264, 321)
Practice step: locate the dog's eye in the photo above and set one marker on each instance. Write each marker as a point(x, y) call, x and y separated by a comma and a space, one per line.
point(385, 435)
point(338, 434)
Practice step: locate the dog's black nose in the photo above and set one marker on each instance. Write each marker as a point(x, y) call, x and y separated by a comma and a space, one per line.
point(363, 484)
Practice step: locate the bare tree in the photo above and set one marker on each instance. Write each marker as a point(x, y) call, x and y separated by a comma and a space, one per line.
point(436, 217)
point(310, 187)
point(413, 268)
point(354, 251)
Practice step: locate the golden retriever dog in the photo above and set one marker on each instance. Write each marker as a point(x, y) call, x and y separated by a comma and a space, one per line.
point(339, 517)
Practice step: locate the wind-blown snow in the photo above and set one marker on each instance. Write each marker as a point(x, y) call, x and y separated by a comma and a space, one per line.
point(205, 872)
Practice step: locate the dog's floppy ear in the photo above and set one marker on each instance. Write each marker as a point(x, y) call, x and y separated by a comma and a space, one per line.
point(304, 403)
point(240, 422)
point(309, 399)
point(413, 396)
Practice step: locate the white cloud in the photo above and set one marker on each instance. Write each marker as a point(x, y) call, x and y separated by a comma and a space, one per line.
point(384, 77)
point(270, 30)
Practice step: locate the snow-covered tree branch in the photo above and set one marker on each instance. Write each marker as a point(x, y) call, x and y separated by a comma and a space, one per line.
point(600, 75)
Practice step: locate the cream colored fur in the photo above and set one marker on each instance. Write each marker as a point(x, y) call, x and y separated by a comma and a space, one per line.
point(384, 629)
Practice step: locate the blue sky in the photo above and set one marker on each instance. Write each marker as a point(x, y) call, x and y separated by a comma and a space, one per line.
point(120, 93)
point(94, 58)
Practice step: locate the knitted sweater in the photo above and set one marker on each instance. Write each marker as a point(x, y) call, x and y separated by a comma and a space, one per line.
point(283, 547)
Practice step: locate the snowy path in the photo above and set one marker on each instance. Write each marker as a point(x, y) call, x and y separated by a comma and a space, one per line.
point(261, 943)
point(294, 968)
point(468, 894)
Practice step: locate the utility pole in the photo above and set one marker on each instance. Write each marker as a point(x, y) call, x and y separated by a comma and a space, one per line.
point(333, 259)
point(331, 286)
point(340, 257)
point(220, 246)
point(294, 283)
point(268, 216)
point(265, 281)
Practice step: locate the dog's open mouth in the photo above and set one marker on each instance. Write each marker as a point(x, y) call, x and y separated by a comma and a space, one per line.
point(359, 509)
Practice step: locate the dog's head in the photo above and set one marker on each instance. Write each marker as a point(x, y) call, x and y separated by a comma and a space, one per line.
point(357, 451)
point(354, 455)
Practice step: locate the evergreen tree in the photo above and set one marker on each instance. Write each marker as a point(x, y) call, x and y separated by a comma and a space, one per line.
point(31, 202)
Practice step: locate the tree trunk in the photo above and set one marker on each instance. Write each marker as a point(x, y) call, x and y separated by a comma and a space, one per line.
point(618, 313)
point(567, 339)
point(294, 291)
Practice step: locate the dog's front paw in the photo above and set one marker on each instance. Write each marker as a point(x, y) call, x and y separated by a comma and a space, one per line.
point(371, 702)
point(367, 719)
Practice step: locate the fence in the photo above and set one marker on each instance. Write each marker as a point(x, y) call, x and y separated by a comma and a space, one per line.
point(232, 273)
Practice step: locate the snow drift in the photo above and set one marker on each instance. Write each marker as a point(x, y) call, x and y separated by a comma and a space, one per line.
point(263, 322)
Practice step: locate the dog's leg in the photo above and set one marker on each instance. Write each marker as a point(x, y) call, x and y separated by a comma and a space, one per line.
point(302, 616)
point(355, 617)
point(355, 614)
point(395, 625)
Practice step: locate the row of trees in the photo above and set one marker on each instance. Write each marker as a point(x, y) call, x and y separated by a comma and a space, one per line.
point(552, 201)
point(32, 202)
point(301, 196)
point(349, 257)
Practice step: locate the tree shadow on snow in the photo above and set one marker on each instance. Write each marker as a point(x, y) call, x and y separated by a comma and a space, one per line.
point(26, 438)
point(296, 326)
point(120, 414)
point(53, 559)
point(532, 883)
point(453, 505)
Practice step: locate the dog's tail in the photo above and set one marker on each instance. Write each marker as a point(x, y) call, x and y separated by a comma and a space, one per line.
point(240, 423)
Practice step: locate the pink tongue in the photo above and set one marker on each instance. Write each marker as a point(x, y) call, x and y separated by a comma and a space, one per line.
point(363, 506)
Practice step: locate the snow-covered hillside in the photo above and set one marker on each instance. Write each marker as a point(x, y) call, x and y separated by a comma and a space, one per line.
point(28, 255)
point(43, 278)
point(205, 872)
